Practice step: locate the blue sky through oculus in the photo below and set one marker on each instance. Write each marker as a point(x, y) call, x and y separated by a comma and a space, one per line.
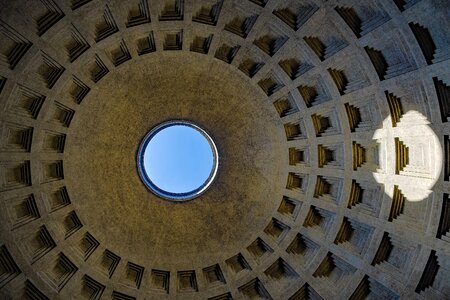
point(178, 159)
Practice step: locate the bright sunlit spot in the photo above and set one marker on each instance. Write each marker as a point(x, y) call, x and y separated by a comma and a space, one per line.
point(421, 153)
point(179, 160)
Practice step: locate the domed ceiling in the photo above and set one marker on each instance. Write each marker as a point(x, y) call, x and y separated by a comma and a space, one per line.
point(331, 123)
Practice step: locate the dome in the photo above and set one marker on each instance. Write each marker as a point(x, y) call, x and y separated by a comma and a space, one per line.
point(331, 125)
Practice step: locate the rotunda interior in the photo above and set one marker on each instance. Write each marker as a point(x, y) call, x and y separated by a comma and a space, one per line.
point(331, 122)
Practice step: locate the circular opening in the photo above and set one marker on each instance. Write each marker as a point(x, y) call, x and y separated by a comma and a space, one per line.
point(177, 160)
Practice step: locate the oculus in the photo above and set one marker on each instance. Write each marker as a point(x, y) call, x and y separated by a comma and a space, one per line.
point(177, 160)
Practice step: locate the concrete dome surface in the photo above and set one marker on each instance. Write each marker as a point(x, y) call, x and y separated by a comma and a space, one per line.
point(331, 121)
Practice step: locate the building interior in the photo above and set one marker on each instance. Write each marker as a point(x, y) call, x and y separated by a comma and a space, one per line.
point(331, 121)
